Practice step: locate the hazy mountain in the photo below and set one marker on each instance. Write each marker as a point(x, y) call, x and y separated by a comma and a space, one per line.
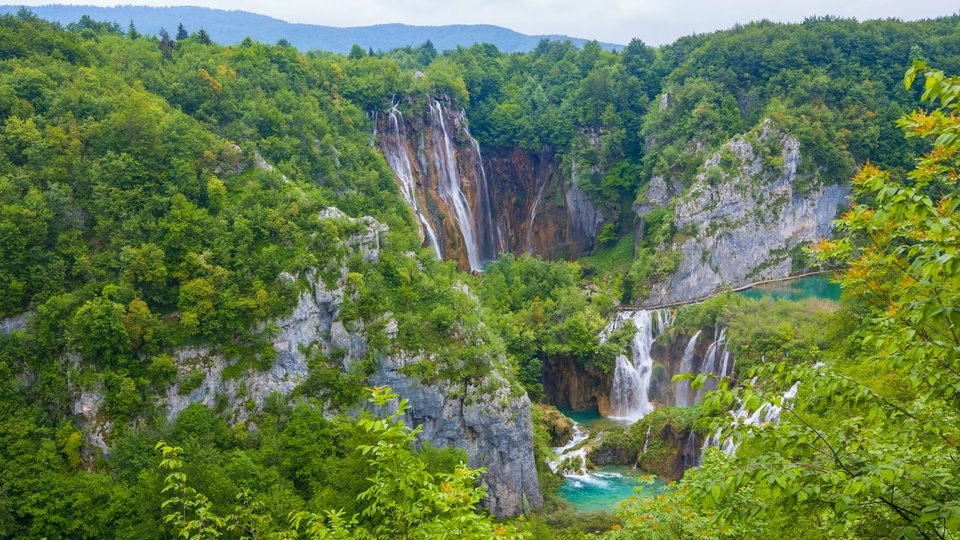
point(232, 26)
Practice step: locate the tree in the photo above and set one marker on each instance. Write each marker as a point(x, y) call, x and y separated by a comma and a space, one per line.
point(132, 31)
point(203, 37)
point(182, 33)
point(165, 44)
point(356, 52)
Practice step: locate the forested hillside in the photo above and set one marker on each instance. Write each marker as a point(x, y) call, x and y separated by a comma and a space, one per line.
point(214, 267)
point(232, 26)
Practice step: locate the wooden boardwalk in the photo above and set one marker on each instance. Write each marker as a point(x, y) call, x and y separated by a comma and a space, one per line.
point(722, 291)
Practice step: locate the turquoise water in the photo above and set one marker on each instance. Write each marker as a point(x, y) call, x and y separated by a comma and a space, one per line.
point(594, 421)
point(604, 489)
point(797, 289)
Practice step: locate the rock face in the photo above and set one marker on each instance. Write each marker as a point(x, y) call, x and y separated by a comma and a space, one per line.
point(487, 420)
point(493, 427)
point(15, 323)
point(513, 200)
point(565, 384)
point(748, 216)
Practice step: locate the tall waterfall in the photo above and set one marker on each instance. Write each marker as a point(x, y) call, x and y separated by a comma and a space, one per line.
point(682, 390)
point(477, 229)
point(399, 162)
point(629, 397)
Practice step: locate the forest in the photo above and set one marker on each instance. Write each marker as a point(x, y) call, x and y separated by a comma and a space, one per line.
point(160, 194)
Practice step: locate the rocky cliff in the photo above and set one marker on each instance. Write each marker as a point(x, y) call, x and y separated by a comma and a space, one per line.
point(487, 419)
point(747, 216)
point(567, 385)
point(473, 204)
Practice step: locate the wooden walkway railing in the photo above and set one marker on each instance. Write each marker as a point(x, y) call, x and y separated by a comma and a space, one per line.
point(721, 291)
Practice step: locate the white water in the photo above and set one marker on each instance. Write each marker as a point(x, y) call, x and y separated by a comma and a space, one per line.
point(567, 451)
point(717, 350)
point(399, 162)
point(682, 396)
point(629, 396)
point(766, 413)
point(450, 187)
point(533, 216)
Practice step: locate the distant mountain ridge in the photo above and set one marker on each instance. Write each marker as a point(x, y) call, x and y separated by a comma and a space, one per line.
point(228, 27)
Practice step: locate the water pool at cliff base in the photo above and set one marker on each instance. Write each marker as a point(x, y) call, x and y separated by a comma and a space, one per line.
point(602, 490)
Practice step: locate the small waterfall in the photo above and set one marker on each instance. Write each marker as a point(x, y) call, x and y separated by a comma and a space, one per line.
point(629, 397)
point(573, 449)
point(691, 452)
point(646, 441)
point(682, 390)
point(533, 216)
point(766, 413)
point(396, 154)
point(717, 350)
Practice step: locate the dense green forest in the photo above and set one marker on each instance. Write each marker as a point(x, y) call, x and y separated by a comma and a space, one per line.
point(161, 192)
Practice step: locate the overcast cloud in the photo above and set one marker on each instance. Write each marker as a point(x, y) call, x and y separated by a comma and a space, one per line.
point(617, 21)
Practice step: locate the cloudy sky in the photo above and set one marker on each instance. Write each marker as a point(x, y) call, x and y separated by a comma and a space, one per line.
point(654, 21)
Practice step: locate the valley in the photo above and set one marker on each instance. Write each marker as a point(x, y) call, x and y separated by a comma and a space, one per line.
point(253, 291)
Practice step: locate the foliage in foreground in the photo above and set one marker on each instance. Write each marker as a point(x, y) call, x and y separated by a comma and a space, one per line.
point(404, 500)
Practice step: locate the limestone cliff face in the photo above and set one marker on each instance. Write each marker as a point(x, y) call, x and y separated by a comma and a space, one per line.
point(472, 204)
point(487, 420)
point(747, 217)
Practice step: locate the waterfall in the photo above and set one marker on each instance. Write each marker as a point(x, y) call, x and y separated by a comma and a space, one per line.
point(766, 413)
point(646, 441)
point(478, 230)
point(718, 349)
point(533, 216)
point(629, 396)
point(682, 389)
point(490, 238)
point(572, 450)
point(399, 162)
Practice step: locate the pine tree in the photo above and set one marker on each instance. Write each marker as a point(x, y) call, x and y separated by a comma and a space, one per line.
point(166, 45)
point(182, 33)
point(132, 31)
point(203, 37)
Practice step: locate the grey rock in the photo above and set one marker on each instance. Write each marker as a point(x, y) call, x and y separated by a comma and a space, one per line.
point(16, 323)
point(486, 421)
point(748, 222)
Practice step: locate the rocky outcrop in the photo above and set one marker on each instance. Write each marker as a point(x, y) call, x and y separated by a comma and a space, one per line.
point(747, 217)
point(14, 324)
point(486, 420)
point(566, 384)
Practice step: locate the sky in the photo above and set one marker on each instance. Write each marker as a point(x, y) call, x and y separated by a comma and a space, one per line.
point(614, 21)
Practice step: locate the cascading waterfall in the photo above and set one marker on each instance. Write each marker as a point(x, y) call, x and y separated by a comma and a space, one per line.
point(682, 392)
point(478, 234)
point(629, 397)
point(573, 453)
point(716, 351)
point(399, 162)
point(766, 413)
